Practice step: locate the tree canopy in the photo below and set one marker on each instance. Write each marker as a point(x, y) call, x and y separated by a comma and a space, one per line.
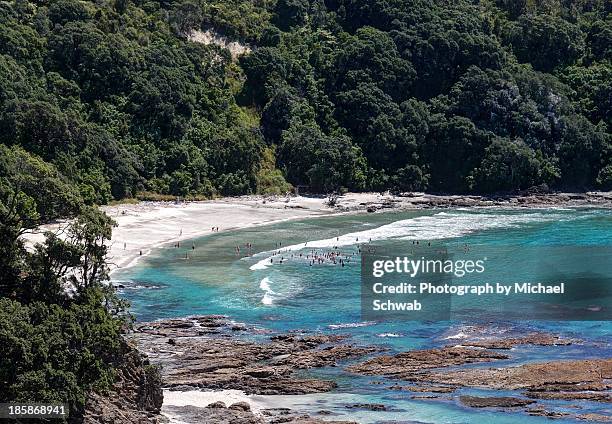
point(414, 94)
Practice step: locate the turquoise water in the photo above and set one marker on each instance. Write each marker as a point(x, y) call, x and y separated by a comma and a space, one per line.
point(294, 295)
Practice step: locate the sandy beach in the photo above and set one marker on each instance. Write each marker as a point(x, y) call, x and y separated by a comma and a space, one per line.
point(144, 226)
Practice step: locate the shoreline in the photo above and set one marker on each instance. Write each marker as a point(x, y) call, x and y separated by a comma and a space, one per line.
point(210, 374)
point(145, 226)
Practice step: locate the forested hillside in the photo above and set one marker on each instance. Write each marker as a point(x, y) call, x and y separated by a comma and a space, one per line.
point(109, 99)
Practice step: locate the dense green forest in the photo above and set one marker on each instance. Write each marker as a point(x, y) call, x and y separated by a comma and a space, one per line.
point(60, 323)
point(109, 97)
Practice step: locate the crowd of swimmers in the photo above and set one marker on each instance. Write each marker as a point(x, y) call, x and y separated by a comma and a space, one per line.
point(333, 256)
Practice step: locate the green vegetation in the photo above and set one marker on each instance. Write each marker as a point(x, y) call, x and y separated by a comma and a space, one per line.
point(464, 96)
point(467, 96)
point(59, 323)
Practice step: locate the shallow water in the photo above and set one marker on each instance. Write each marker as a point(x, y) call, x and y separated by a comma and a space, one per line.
point(214, 279)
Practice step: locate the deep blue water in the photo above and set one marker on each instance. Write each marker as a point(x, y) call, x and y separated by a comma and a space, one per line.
point(214, 279)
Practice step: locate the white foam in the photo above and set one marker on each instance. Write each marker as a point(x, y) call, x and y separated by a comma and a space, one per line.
point(265, 285)
point(430, 227)
point(267, 298)
point(352, 325)
point(392, 335)
point(457, 336)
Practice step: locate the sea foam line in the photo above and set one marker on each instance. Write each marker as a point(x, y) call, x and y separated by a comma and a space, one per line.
point(267, 298)
point(431, 227)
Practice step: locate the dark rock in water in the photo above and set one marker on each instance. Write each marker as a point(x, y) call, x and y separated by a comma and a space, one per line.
point(407, 363)
point(136, 396)
point(240, 406)
point(270, 412)
point(368, 406)
point(534, 339)
point(200, 360)
point(444, 369)
point(541, 412)
point(424, 389)
point(427, 397)
point(569, 387)
point(371, 209)
point(595, 417)
point(217, 404)
point(499, 402)
point(573, 395)
point(589, 372)
point(172, 342)
point(285, 415)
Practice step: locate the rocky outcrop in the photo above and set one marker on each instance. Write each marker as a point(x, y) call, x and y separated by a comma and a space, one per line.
point(191, 358)
point(136, 396)
point(405, 365)
point(528, 199)
point(531, 376)
point(494, 401)
point(216, 413)
point(445, 370)
point(209, 353)
point(424, 389)
point(240, 413)
point(209, 36)
point(577, 379)
point(534, 339)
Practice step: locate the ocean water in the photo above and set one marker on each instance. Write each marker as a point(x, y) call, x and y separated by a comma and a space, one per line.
point(271, 287)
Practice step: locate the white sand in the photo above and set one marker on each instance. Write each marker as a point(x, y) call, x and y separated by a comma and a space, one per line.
point(203, 398)
point(144, 226)
point(147, 225)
